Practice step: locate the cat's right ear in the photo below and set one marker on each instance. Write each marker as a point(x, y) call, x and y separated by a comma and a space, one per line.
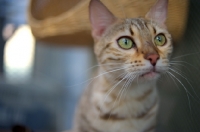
point(158, 12)
point(100, 18)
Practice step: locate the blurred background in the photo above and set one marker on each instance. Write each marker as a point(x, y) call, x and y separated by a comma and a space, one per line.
point(46, 49)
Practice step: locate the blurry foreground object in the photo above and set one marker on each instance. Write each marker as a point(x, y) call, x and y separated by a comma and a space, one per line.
point(8, 31)
point(12, 15)
point(19, 54)
point(19, 128)
point(67, 20)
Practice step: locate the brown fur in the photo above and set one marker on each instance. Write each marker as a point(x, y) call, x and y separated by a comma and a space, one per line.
point(103, 109)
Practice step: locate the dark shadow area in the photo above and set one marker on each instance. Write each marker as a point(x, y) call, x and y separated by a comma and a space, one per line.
point(180, 102)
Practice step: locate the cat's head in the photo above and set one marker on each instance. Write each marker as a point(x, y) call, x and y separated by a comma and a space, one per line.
point(137, 46)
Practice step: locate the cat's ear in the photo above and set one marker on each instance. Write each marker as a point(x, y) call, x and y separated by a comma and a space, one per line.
point(158, 12)
point(100, 18)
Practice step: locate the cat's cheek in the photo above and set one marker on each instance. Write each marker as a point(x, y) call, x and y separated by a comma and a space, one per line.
point(159, 63)
point(162, 64)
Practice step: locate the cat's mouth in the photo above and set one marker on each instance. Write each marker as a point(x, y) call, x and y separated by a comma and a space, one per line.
point(150, 74)
point(153, 73)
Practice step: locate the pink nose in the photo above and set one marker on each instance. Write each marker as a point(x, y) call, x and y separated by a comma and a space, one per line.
point(153, 58)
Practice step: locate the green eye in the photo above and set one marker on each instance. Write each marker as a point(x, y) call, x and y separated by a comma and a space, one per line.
point(160, 40)
point(125, 43)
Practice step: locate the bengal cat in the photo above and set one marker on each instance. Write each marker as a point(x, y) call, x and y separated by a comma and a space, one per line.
point(132, 53)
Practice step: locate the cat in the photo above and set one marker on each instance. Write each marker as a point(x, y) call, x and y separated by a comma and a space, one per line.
point(132, 53)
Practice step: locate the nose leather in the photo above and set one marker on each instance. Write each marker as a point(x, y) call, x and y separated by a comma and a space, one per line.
point(153, 58)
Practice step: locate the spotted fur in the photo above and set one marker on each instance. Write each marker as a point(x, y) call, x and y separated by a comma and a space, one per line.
point(124, 100)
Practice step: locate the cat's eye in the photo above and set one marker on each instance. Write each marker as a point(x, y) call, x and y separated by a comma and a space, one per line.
point(125, 42)
point(160, 40)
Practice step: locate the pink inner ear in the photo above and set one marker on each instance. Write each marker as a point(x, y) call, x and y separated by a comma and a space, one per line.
point(100, 18)
point(158, 12)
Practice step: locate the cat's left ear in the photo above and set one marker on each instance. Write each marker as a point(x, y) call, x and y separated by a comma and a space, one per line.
point(158, 12)
point(100, 18)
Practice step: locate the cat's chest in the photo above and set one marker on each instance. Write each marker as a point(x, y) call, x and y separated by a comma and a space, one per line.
point(128, 116)
point(129, 111)
point(122, 125)
point(123, 104)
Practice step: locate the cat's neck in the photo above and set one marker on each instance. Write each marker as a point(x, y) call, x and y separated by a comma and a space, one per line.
point(138, 96)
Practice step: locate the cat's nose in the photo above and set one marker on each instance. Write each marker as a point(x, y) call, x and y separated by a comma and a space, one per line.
point(153, 58)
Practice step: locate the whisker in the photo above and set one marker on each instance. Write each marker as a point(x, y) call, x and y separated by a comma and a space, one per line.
point(125, 84)
point(175, 64)
point(185, 63)
point(173, 81)
point(128, 83)
point(119, 94)
point(187, 81)
point(132, 78)
point(124, 87)
point(187, 92)
point(175, 68)
point(91, 79)
point(111, 89)
point(103, 65)
point(108, 93)
point(185, 55)
point(106, 64)
point(161, 79)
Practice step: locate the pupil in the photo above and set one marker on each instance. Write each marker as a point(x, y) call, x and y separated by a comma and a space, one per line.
point(159, 39)
point(126, 42)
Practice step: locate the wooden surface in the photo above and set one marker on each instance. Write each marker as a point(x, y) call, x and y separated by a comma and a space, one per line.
point(52, 18)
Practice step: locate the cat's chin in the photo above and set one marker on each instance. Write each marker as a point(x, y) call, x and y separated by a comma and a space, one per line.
point(150, 75)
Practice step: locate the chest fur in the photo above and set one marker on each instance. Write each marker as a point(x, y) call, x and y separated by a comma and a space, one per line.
point(134, 110)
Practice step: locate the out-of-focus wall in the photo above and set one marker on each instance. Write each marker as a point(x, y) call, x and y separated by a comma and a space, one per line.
point(66, 66)
point(180, 107)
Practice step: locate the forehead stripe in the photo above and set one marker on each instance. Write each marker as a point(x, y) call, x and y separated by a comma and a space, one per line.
point(154, 30)
point(131, 31)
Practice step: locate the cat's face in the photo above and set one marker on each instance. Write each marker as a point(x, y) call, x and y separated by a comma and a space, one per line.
point(139, 47)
